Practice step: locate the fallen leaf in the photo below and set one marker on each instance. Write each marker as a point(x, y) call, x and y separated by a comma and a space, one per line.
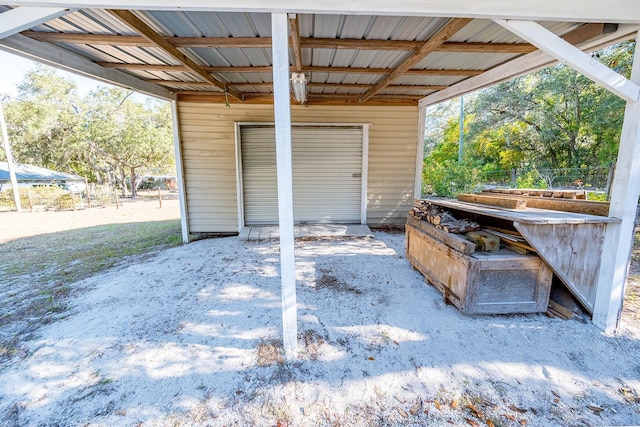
point(471, 422)
point(426, 412)
point(523, 422)
point(516, 409)
point(490, 423)
point(556, 400)
point(399, 399)
point(402, 412)
point(371, 358)
point(509, 417)
point(533, 411)
point(281, 424)
point(475, 411)
point(416, 408)
point(454, 404)
point(596, 409)
point(555, 393)
point(438, 405)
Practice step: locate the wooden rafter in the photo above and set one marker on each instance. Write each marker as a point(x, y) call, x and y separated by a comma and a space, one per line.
point(429, 46)
point(267, 69)
point(265, 42)
point(136, 23)
point(311, 85)
point(294, 34)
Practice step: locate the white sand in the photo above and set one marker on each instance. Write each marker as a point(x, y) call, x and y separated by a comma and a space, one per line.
point(173, 341)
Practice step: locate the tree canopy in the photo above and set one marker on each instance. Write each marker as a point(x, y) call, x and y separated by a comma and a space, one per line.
point(554, 119)
point(106, 135)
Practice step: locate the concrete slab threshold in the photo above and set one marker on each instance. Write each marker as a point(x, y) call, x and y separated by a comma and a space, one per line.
point(254, 233)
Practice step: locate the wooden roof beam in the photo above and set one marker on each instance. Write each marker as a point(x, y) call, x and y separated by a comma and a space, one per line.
point(265, 42)
point(433, 43)
point(267, 69)
point(294, 34)
point(311, 85)
point(143, 29)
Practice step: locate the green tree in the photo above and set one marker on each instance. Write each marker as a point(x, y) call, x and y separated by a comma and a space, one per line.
point(132, 138)
point(43, 121)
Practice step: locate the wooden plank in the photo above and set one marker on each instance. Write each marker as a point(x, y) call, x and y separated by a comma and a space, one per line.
point(528, 216)
point(572, 251)
point(564, 312)
point(484, 241)
point(588, 207)
point(425, 49)
point(444, 268)
point(502, 202)
point(454, 241)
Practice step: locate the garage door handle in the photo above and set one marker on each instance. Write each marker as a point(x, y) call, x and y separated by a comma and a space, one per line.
point(357, 175)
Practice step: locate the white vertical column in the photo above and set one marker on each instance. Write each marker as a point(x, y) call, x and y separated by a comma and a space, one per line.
point(10, 165)
point(282, 110)
point(417, 191)
point(624, 200)
point(182, 195)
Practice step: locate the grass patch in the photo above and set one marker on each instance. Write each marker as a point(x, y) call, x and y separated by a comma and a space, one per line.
point(73, 255)
point(39, 273)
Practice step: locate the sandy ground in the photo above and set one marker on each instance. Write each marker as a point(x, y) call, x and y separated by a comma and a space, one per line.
point(16, 225)
point(190, 337)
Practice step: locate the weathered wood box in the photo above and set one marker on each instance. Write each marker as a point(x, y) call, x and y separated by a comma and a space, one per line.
point(499, 282)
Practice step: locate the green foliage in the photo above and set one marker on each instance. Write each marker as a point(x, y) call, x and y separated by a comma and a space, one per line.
point(102, 136)
point(554, 119)
point(46, 197)
point(449, 178)
point(531, 179)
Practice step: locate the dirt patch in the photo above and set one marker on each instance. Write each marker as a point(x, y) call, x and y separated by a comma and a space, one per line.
point(190, 335)
point(47, 254)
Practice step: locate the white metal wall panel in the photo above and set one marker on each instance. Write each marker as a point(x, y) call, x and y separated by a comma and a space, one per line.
point(208, 133)
point(327, 167)
point(259, 182)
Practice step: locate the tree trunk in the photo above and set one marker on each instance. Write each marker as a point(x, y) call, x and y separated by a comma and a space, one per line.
point(123, 179)
point(134, 187)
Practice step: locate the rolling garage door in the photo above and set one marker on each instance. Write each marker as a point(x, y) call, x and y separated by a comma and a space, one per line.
point(327, 180)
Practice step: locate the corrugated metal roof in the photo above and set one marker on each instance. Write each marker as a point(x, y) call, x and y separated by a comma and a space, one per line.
point(35, 173)
point(318, 26)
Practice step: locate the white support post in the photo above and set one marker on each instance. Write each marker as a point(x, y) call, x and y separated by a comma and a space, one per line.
point(10, 165)
point(583, 63)
point(22, 18)
point(282, 110)
point(182, 194)
point(422, 120)
point(618, 240)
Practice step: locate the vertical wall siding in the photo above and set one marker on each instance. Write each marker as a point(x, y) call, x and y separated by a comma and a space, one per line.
point(208, 142)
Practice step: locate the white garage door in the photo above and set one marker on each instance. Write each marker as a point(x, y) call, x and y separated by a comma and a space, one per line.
point(327, 180)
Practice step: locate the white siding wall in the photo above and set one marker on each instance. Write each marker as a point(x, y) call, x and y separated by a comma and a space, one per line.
point(208, 141)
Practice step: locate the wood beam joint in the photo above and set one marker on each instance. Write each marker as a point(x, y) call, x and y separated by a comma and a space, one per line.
point(149, 34)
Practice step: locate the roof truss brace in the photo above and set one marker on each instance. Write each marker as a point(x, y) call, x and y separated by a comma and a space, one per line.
point(429, 46)
point(265, 43)
point(532, 62)
point(21, 18)
point(583, 63)
point(294, 34)
point(267, 69)
point(69, 61)
point(147, 32)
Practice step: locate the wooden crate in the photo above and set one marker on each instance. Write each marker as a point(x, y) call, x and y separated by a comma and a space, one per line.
point(499, 282)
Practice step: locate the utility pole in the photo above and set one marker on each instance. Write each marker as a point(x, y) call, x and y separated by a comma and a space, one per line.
point(461, 140)
point(11, 167)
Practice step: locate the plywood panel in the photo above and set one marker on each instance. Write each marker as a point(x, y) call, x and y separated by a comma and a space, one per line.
point(572, 251)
